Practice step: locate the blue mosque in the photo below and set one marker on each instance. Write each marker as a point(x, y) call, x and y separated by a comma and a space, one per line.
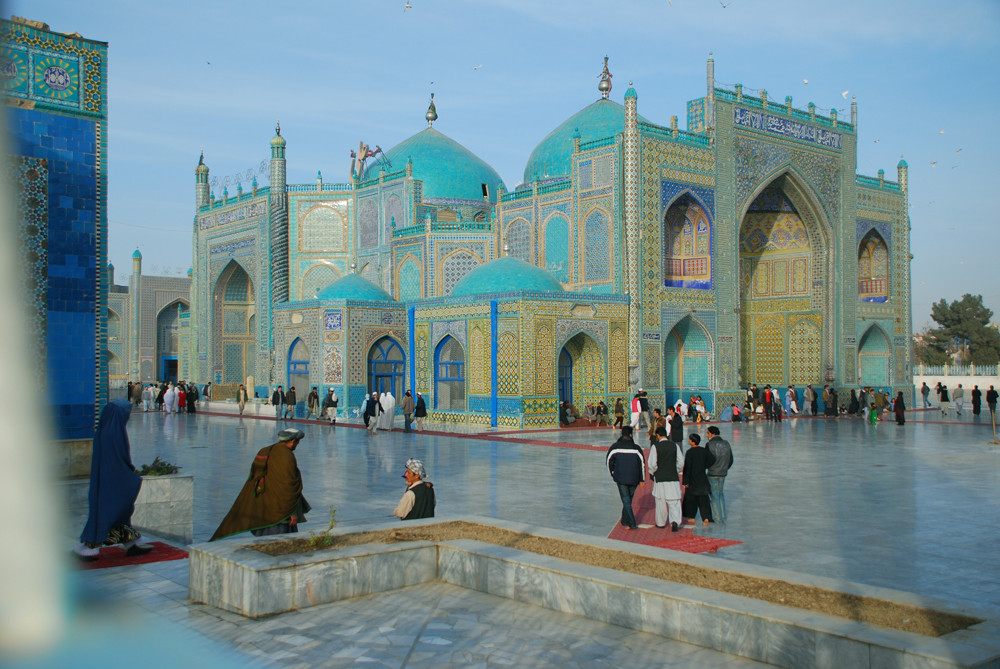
point(634, 254)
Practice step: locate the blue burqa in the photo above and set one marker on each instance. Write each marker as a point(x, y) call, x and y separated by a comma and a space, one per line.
point(114, 484)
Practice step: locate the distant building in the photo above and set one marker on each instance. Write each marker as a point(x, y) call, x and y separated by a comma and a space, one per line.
point(743, 249)
point(145, 322)
point(56, 103)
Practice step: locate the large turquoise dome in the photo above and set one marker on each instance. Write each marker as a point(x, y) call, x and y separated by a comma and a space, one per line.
point(506, 275)
point(353, 287)
point(552, 157)
point(449, 170)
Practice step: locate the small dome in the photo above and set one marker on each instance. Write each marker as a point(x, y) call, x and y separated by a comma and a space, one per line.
point(449, 170)
point(353, 287)
point(190, 271)
point(202, 167)
point(136, 255)
point(552, 157)
point(630, 93)
point(902, 163)
point(277, 140)
point(111, 266)
point(506, 275)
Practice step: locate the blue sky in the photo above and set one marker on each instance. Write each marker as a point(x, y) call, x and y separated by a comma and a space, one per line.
point(215, 76)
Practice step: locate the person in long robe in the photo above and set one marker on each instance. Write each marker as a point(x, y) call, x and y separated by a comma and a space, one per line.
point(666, 462)
point(169, 398)
point(365, 416)
point(899, 408)
point(114, 487)
point(388, 416)
point(374, 410)
point(271, 500)
point(852, 406)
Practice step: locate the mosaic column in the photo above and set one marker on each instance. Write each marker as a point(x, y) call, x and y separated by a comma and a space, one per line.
point(631, 169)
point(279, 221)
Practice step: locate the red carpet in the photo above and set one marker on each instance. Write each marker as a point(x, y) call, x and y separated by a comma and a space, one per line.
point(682, 540)
point(114, 556)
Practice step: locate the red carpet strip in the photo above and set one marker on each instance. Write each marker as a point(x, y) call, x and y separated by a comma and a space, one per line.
point(683, 540)
point(114, 556)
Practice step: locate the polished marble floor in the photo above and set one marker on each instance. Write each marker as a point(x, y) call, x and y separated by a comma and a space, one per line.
point(909, 507)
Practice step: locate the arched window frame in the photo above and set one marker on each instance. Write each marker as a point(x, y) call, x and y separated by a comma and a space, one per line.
point(448, 371)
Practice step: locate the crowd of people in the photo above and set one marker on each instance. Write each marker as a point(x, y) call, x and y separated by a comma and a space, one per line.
point(947, 397)
point(167, 396)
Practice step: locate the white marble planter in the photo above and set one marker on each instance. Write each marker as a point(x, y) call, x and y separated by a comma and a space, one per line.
point(228, 575)
point(165, 507)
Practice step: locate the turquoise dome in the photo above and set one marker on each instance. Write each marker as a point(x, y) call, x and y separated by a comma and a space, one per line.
point(506, 275)
point(353, 287)
point(136, 255)
point(551, 158)
point(449, 170)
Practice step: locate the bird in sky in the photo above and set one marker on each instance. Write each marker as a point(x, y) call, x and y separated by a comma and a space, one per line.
point(941, 132)
point(933, 163)
point(476, 67)
point(958, 150)
point(844, 94)
point(207, 62)
point(805, 81)
point(407, 6)
point(877, 141)
point(725, 4)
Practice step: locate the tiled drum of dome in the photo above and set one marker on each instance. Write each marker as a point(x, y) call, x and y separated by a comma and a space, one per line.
point(596, 246)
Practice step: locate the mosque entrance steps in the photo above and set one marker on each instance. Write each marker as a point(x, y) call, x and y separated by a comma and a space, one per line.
point(231, 575)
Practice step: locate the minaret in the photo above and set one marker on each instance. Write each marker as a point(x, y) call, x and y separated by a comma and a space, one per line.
point(279, 220)
point(902, 174)
point(135, 307)
point(632, 285)
point(710, 96)
point(201, 194)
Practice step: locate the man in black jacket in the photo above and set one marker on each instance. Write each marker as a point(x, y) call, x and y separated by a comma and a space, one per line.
point(676, 431)
point(418, 501)
point(628, 469)
point(697, 490)
point(278, 400)
point(290, 401)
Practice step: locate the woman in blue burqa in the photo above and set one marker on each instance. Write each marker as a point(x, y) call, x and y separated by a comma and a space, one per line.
point(114, 485)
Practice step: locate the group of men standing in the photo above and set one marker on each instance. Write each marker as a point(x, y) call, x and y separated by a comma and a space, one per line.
point(684, 484)
point(946, 397)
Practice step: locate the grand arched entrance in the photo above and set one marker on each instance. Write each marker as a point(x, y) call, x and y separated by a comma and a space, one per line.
point(687, 361)
point(233, 313)
point(167, 345)
point(298, 368)
point(581, 371)
point(785, 288)
point(386, 363)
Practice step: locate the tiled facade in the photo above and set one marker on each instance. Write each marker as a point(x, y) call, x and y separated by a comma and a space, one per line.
point(744, 249)
point(55, 89)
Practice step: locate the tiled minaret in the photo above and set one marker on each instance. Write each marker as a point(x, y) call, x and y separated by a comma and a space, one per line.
point(279, 220)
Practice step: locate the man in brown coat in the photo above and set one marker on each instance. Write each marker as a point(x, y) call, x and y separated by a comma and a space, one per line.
point(271, 500)
point(407, 406)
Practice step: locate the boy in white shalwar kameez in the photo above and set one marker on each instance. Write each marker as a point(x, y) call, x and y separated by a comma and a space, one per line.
point(666, 462)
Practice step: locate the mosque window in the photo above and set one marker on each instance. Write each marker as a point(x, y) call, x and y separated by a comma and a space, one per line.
point(597, 246)
point(449, 375)
point(114, 325)
point(454, 268)
point(480, 217)
point(873, 268)
point(687, 244)
point(447, 216)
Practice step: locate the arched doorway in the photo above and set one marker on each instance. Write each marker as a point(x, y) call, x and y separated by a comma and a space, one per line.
point(785, 288)
point(167, 344)
point(386, 365)
point(565, 376)
point(298, 368)
point(687, 361)
point(449, 375)
point(581, 371)
point(873, 358)
point(687, 244)
point(233, 313)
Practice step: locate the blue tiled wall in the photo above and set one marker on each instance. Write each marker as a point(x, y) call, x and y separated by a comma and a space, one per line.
point(69, 144)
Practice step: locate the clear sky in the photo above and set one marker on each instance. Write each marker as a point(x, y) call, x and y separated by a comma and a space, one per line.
point(215, 76)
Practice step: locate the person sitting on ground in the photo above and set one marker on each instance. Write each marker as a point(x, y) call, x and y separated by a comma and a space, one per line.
point(565, 419)
point(601, 414)
point(418, 501)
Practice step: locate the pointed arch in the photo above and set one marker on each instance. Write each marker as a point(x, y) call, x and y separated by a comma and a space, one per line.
point(233, 311)
point(449, 375)
point(386, 366)
point(580, 370)
point(687, 243)
point(873, 268)
point(874, 356)
point(687, 359)
point(316, 278)
point(453, 268)
point(298, 366)
point(114, 323)
point(596, 265)
point(555, 253)
point(517, 237)
point(409, 279)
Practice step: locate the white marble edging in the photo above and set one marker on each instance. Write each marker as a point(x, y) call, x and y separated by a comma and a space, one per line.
point(165, 507)
point(230, 576)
